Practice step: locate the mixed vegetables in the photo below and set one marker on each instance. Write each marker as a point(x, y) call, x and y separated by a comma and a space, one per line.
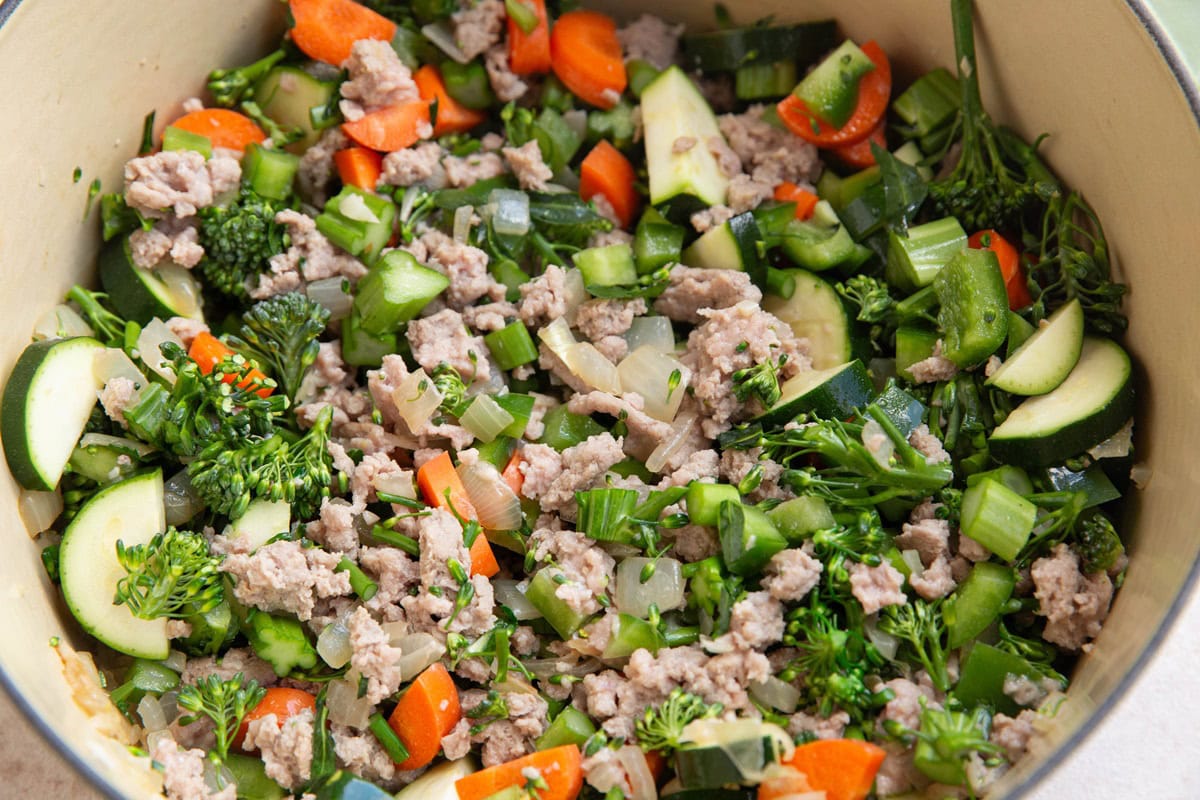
point(642, 415)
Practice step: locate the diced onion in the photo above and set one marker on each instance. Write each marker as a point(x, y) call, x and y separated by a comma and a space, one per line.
point(664, 589)
point(116, 442)
point(510, 592)
point(913, 559)
point(558, 337)
point(514, 683)
point(151, 713)
point(420, 650)
point(417, 399)
point(175, 660)
point(149, 343)
point(666, 450)
point(180, 500)
point(546, 667)
point(641, 781)
point(652, 332)
point(496, 504)
point(1118, 445)
point(354, 207)
point(345, 706)
point(333, 645)
point(510, 215)
point(331, 293)
point(442, 37)
point(575, 291)
point(591, 366)
point(170, 705)
point(111, 362)
point(777, 694)
point(885, 643)
point(184, 291)
point(154, 737)
point(485, 419)
point(462, 223)
point(660, 379)
point(396, 631)
point(61, 322)
point(878, 443)
point(39, 510)
point(399, 484)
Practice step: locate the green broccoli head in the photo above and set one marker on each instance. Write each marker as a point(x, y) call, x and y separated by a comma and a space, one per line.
point(239, 239)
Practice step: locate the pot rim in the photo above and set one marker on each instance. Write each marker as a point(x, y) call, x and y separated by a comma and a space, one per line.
point(1171, 54)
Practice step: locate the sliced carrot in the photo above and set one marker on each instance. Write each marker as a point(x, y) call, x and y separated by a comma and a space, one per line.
point(327, 29)
point(359, 166)
point(805, 200)
point(392, 128)
point(842, 768)
point(874, 91)
point(483, 560)
point(1010, 265)
point(1018, 291)
point(529, 53)
point(452, 116)
point(427, 711)
point(858, 154)
point(512, 473)
point(208, 351)
point(442, 488)
point(560, 767)
point(283, 703)
point(606, 172)
point(223, 127)
point(586, 56)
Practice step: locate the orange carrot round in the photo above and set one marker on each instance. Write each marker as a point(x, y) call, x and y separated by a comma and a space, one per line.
point(560, 767)
point(586, 56)
point(283, 703)
point(842, 768)
point(207, 351)
point(391, 129)
point(427, 711)
point(874, 92)
point(452, 116)
point(223, 127)
point(529, 53)
point(359, 166)
point(805, 200)
point(858, 154)
point(327, 29)
point(606, 172)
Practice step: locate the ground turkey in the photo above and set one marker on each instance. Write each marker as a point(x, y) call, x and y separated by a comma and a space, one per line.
point(465, 266)
point(935, 368)
point(286, 748)
point(373, 656)
point(528, 166)
point(310, 257)
point(544, 299)
point(1074, 604)
point(182, 181)
point(583, 466)
point(183, 773)
point(649, 38)
point(691, 290)
point(643, 432)
point(419, 164)
point(378, 79)
point(506, 739)
point(756, 621)
point(791, 575)
point(478, 26)
point(444, 338)
point(589, 570)
point(284, 576)
point(179, 239)
point(877, 587)
point(507, 85)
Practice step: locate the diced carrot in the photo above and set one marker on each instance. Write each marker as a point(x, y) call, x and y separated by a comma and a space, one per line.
point(327, 29)
point(1010, 265)
point(805, 200)
point(483, 560)
point(858, 154)
point(427, 711)
point(874, 92)
point(359, 166)
point(842, 768)
point(207, 351)
point(223, 127)
point(560, 767)
point(442, 488)
point(452, 116)
point(607, 172)
point(283, 703)
point(529, 53)
point(392, 128)
point(586, 56)
point(512, 473)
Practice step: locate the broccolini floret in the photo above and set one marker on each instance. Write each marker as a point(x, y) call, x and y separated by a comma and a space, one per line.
point(833, 662)
point(239, 239)
point(174, 575)
point(661, 727)
point(229, 86)
point(920, 625)
point(1098, 544)
point(948, 739)
point(109, 327)
point(761, 381)
point(226, 703)
point(869, 294)
point(281, 334)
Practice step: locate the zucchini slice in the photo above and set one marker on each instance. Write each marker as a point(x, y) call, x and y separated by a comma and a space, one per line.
point(727, 50)
point(1047, 357)
point(816, 313)
point(287, 95)
point(832, 393)
point(1092, 404)
point(731, 245)
point(46, 406)
point(142, 294)
point(672, 107)
point(716, 753)
point(131, 511)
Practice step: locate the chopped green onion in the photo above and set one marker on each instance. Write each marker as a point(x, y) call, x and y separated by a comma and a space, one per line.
point(511, 346)
point(397, 540)
point(360, 582)
point(388, 739)
point(780, 283)
point(602, 513)
point(485, 419)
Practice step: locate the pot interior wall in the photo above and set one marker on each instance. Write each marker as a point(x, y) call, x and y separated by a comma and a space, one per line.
point(82, 75)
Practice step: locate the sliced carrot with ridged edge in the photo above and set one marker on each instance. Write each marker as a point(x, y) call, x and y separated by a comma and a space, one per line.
point(560, 767)
point(605, 171)
point(327, 29)
point(392, 128)
point(427, 711)
point(586, 56)
point(529, 53)
point(223, 127)
point(451, 116)
point(359, 166)
point(874, 92)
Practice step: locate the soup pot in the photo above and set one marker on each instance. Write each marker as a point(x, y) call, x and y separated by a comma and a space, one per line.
point(1097, 75)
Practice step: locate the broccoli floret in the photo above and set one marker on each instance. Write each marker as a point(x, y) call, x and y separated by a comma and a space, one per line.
point(226, 703)
point(1098, 544)
point(281, 334)
point(229, 474)
point(919, 624)
point(660, 727)
point(174, 575)
point(860, 539)
point(947, 740)
point(870, 295)
point(229, 86)
point(238, 240)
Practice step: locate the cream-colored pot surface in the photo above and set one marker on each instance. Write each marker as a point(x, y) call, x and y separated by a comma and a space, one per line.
point(80, 75)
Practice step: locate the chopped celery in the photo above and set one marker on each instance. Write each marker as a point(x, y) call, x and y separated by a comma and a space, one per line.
point(997, 517)
point(748, 537)
point(704, 501)
point(558, 613)
point(269, 172)
point(359, 222)
point(761, 81)
point(914, 261)
point(913, 344)
point(931, 102)
point(607, 266)
point(797, 519)
point(520, 408)
point(571, 726)
point(511, 346)
point(485, 418)
point(394, 291)
point(1014, 478)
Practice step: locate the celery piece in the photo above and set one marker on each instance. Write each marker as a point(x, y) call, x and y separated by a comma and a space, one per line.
point(656, 242)
point(799, 517)
point(931, 102)
point(520, 408)
point(394, 291)
point(270, 172)
point(485, 418)
point(558, 613)
point(631, 633)
point(703, 501)
point(363, 349)
point(977, 602)
point(365, 227)
point(571, 726)
point(1014, 478)
point(607, 266)
point(914, 261)
point(511, 346)
point(748, 537)
point(564, 429)
point(997, 517)
point(761, 81)
point(498, 451)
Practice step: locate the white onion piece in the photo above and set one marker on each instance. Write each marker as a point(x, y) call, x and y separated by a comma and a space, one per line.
point(593, 368)
point(664, 589)
point(111, 362)
point(649, 373)
point(39, 510)
point(633, 761)
point(184, 291)
point(149, 344)
point(878, 443)
point(154, 737)
point(151, 713)
point(417, 399)
point(666, 450)
point(442, 37)
point(396, 631)
point(485, 418)
point(496, 505)
point(558, 337)
point(515, 683)
point(545, 667)
point(217, 777)
point(510, 592)
point(399, 484)
point(61, 322)
point(333, 645)
point(885, 643)
point(175, 660)
point(170, 705)
point(354, 207)
point(652, 332)
point(462, 223)
point(331, 293)
point(420, 650)
point(511, 212)
point(116, 442)
point(180, 500)
point(345, 706)
point(913, 559)
point(575, 292)
point(777, 694)
point(1116, 446)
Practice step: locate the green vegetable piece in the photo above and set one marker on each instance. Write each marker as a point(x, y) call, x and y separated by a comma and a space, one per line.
point(797, 519)
point(974, 306)
point(565, 429)
point(631, 633)
point(270, 172)
point(997, 517)
point(280, 641)
point(983, 674)
point(394, 291)
point(520, 408)
point(1093, 482)
point(179, 139)
point(977, 602)
point(363, 349)
point(913, 344)
point(947, 739)
point(641, 74)
point(748, 537)
point(901, 407)
point(360, 582)
point(511, 346)
point(226, 703)
point(571, 726)
point(913, 261)
point(250, 775)
point(541, 592)
point(366, 226)
point(212, 632)
point(656, 242)
point(281, 334)
point(830, 90)
point(468, 84)
point(703, 501)
point(602, 513)
point(1014, 478)
point(388, 739)
point(143, 677)
point(762, 81)
point(1018, 332)
point(930, 103)
point(607, 266)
